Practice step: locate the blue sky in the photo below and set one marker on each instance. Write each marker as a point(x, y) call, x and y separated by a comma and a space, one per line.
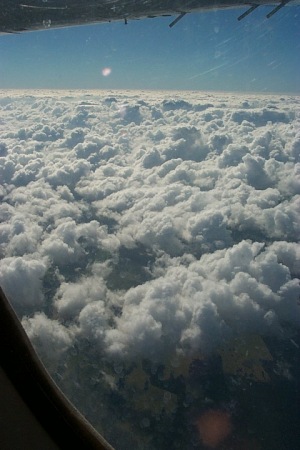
point(207, 51)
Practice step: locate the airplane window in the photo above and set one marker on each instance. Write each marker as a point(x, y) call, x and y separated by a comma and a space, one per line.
point(150, 215)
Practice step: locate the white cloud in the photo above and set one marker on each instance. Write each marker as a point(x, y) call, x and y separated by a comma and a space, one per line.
point(225, 292)
point(71, 298)
point(193, 181)
point(50, 338)
point(21, 279)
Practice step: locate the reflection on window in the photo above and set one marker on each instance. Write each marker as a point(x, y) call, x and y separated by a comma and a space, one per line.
point(149, 244)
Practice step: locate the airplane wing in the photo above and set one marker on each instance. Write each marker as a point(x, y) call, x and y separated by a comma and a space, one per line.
point(27, 15)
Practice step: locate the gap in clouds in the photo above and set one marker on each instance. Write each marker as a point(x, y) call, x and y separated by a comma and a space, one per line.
point(149, 243)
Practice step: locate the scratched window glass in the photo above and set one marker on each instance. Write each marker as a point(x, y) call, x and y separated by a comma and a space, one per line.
point(150, 213)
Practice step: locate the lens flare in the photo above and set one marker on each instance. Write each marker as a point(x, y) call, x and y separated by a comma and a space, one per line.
point(106, 71)
point(214, 427)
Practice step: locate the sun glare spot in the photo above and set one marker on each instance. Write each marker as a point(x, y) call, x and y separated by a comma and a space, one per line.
point(106, 71)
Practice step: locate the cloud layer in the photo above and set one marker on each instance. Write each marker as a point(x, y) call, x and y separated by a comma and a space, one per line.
point(149, 224)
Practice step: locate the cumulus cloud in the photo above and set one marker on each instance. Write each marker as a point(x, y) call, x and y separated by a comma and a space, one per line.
point(148, 226)
point(21, 279)
point(71, 298)
point(50, 338)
